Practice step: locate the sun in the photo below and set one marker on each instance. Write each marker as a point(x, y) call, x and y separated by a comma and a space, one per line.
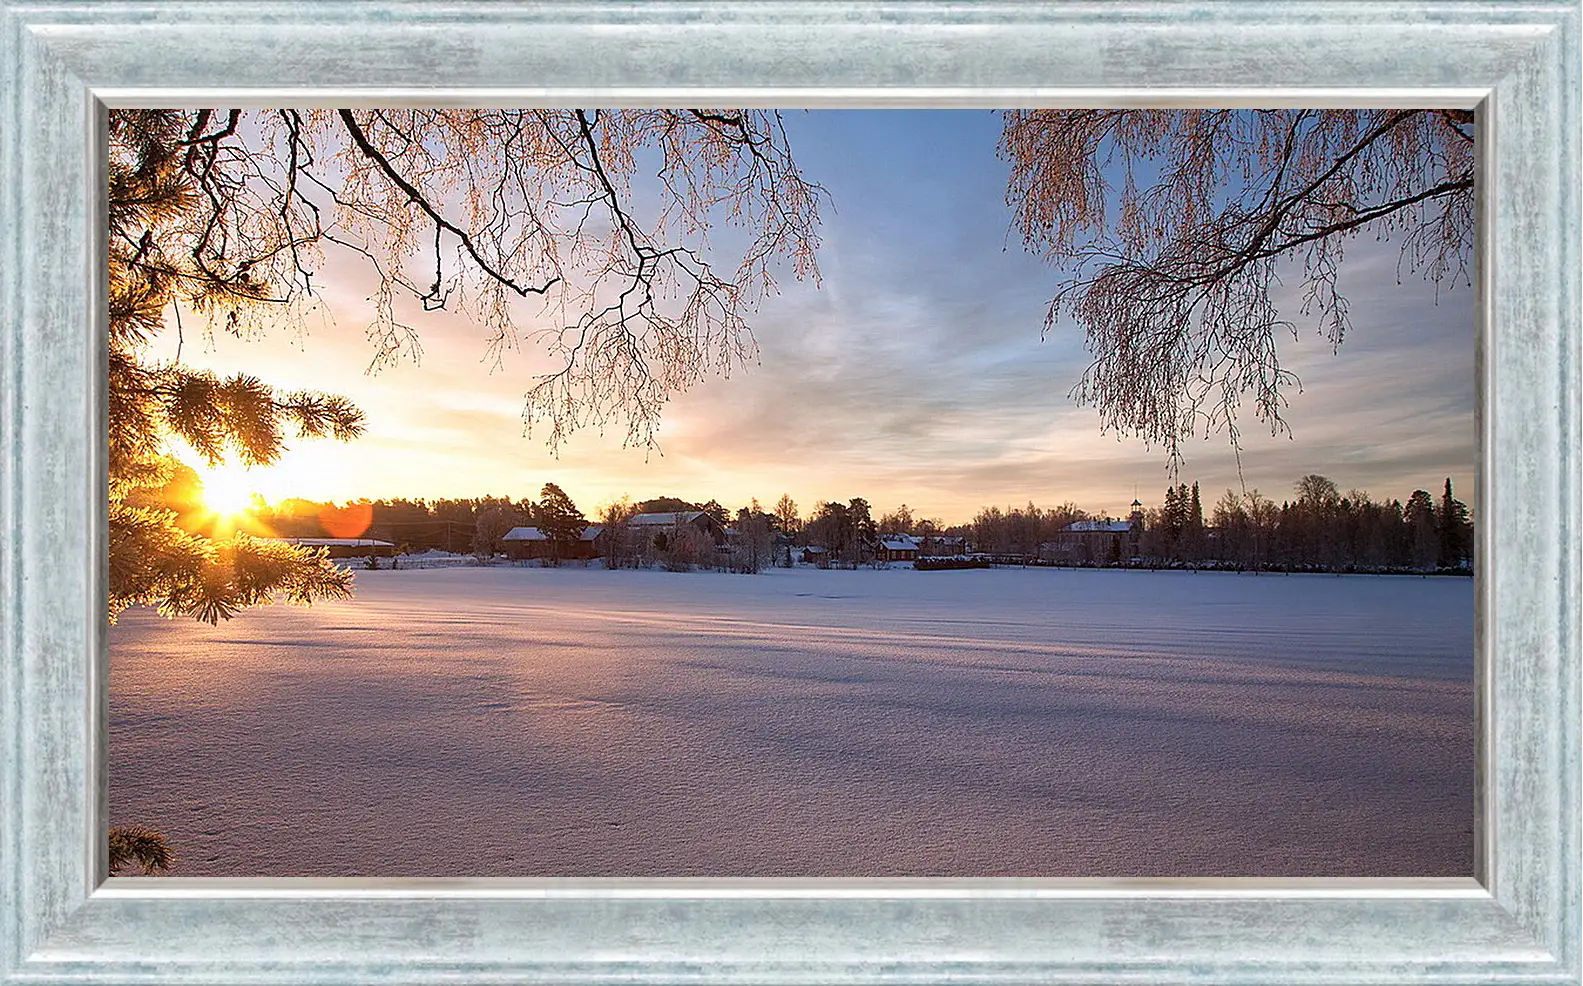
point(227, 490)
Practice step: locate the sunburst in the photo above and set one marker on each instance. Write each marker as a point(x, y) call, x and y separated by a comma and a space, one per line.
point(227, 490)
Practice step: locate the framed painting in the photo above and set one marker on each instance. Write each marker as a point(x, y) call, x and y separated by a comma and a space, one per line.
point(1499, 901)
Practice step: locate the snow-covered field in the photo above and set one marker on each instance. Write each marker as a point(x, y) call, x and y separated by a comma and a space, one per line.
point(522, 721)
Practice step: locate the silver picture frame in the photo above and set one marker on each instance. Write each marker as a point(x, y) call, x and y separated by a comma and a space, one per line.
point(61, 921)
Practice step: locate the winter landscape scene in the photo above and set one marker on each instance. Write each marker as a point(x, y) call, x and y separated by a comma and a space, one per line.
point(747, 493)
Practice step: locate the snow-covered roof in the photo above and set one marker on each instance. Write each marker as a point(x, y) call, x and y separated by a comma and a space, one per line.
point(655, 520)
point(534, 534)
point(899, 542)
point(1099, 526)
point(335, 542)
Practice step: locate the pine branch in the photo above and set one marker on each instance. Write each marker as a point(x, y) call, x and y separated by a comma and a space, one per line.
point(134, 845)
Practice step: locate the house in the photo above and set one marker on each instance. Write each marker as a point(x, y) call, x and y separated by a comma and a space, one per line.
point(589, 542)
point(650, 538)
point(941, 545)
point(345, 547)
point(663, 523)
point(524, 543)
point(896, 547)
point(1093, 542)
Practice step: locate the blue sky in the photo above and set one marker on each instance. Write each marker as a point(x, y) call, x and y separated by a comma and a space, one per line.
point(914, 374)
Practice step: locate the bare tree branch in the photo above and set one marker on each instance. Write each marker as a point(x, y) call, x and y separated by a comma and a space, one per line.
point(1172, 282)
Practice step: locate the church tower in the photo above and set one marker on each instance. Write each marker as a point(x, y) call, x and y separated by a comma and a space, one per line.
point(1135, 529)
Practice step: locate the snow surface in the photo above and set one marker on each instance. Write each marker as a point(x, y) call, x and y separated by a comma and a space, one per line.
point(1032, 722)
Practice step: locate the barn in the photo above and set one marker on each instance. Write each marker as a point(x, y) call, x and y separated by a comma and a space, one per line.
point(525, 543)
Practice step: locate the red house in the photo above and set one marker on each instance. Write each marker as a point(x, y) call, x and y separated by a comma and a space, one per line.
point(524, 543)
point(896, 547)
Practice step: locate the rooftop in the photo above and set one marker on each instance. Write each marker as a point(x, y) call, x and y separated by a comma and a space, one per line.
point(654, 520)
point(534, 534)
point(1099, 526)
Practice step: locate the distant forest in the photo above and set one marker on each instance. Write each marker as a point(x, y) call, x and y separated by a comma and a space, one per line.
point(1318, 529)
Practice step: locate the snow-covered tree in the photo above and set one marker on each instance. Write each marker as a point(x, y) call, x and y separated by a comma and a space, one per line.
point(786, 515)
point(616, 539)
point(491, 522)
point(755, 540)
point(685, 547)
point(831, 528)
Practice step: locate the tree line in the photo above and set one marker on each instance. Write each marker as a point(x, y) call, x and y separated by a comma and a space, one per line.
point(478, 525)
point(460, 525)
point(1326, 530)
point(1319, 528)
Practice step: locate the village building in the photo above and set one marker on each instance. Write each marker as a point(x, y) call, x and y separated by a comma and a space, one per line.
point(660, 523)
point(685, 536)
point(940, 545)
point(1096, 542)
point(345, 547)
point(896, 547)
point(813, 554)
point(588, 542)
point(522, 543)
point(527, 543)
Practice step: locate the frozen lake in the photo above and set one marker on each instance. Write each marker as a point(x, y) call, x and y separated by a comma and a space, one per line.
point(517, 722)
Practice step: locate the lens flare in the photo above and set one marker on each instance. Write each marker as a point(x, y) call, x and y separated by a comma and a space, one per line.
point(350, 521)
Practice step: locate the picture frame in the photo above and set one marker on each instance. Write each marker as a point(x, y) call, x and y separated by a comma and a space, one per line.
point(1518, 919)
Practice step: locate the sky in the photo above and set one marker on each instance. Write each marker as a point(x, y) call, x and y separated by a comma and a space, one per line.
point(915, 373)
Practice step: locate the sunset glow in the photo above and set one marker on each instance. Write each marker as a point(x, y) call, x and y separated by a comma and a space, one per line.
point(228, 489)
